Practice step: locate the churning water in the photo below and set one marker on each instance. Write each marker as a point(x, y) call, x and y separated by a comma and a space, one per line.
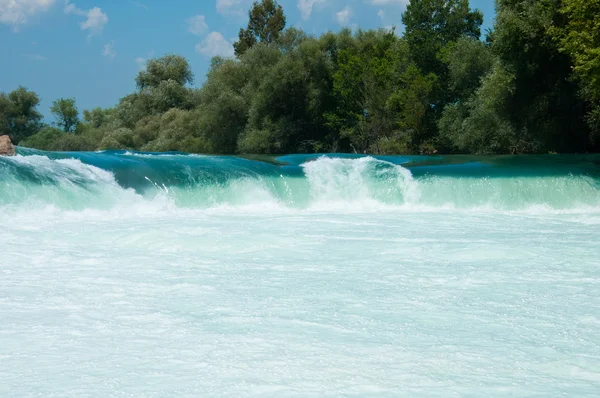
point(130, 274)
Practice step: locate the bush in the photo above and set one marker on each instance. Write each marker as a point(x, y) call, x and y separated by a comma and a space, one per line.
point(46, 139)
point(257, 141)
point(392, 146)
point(119, 139)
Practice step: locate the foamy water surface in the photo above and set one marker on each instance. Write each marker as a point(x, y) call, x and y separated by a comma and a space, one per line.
point(127, 275)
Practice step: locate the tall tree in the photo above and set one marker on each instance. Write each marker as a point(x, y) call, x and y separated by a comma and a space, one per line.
point(169, 67)
point(468, 62)
point(19, 117)
point(286, 113)
point(579, 37)
point(432, 29)
point(266, 22)
point(477, 122)
point(380, 94)
point(545, 108)
point(66, 113)
point(161, 87)
point(362, 83)
point(431, 25)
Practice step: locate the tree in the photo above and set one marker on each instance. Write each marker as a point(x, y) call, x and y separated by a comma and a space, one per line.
point(168, 95)
point(431, 25)
point(19, 117)
point(468, 62)
point(161, 87)
point(132, 108)
point(169, 67)
point(410, 101)
point(481, 123)
point(5, 112)
point(178, 130)
point(545, 108)
point(99, 117)
point(266, 21)
point(46, 139)
point(381, 96)
point(290, 39)
point(579, 38)
point(66, 113)
point(432, 29)
point(231, 87)
point(287, 111)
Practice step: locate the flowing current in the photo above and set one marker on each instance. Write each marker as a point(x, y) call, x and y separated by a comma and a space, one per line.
point(132, 274)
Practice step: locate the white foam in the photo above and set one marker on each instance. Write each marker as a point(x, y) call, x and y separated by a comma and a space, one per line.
point(330, 185)
point(363, 181)
point(154, 299)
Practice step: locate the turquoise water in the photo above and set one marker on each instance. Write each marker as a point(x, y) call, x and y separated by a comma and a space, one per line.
point(132, 274)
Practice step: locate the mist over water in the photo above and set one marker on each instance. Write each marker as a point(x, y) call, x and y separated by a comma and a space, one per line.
point(133, 274)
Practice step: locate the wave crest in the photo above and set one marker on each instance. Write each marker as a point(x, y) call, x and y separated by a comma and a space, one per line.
point(106, 180)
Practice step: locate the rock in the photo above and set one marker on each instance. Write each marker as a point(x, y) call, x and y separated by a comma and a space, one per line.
point(6, 147)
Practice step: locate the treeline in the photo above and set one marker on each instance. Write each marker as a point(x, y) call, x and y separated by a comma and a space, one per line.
point(530, 85)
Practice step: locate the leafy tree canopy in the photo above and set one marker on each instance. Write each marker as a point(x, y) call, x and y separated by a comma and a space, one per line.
point(66, 114)
point(266, 22)
point(170, 67)
point(19, 117)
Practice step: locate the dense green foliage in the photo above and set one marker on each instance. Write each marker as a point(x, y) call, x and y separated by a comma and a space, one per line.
point(533, 86)
point(266, 21)
point(66, 113)
point(579, 37)
point(19, 117)
point(432, 29)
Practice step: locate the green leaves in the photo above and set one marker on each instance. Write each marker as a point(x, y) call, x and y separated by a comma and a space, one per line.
point(433, 24)
point(545, 109)
point(66, 114)
point(169, 67)
point(469, 60)
point(19, 117)
point(480, 123)
point(579, 38)
point(432, 29)
point(266, 22)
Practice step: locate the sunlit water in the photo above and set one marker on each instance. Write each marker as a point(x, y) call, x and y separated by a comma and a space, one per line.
point(125, 274)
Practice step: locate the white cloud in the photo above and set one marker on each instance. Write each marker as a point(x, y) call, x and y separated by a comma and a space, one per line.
point(109, 50)
point(381, 14)
point(197, 25)
point(18, 12)
point(223, 6)
point(95, 21)
point(343, 16)
point(215, 44)
point(139, 4)
point(306, 7)
point(141, 62)
point(71, 9)
point(233, 7)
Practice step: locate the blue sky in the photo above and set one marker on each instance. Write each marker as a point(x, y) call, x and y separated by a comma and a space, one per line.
point(93, 49)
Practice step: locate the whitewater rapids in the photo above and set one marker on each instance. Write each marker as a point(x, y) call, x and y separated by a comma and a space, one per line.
point(129, 274)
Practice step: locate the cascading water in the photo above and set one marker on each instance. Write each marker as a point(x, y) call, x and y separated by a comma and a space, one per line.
point(201, 182)
point(134, 274)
